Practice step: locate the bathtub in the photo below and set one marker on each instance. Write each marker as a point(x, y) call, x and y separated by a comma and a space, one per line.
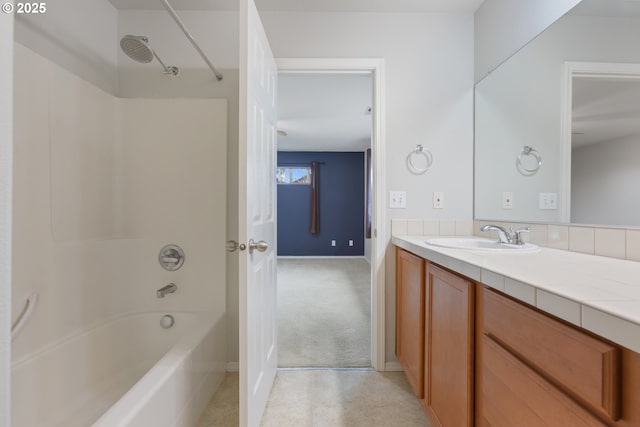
point(128, 371)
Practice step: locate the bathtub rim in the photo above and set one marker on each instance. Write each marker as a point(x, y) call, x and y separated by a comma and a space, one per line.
point(65, 339)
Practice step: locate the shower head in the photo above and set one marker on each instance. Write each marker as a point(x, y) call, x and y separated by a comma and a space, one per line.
point(138, 49)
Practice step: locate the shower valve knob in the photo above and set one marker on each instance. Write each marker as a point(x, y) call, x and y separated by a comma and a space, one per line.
point(171, 257)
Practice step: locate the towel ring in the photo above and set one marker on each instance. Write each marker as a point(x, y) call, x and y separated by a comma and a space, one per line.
point(422, 152)
point(528, 151)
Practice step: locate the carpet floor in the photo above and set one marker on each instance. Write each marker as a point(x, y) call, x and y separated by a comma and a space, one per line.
point(324, 313)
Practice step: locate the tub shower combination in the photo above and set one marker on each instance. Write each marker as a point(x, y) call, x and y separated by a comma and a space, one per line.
point(137, 368)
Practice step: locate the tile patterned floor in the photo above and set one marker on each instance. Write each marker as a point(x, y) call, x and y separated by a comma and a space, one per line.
point(318, 398)
point(222, 410)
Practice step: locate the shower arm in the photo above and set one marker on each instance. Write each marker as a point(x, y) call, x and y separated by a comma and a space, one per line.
point(176, 18)
point(172, 71)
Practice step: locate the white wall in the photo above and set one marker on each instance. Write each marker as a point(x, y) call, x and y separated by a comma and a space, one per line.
point(520, 104)
point(604, 182)
point(172, 190)
point(429, 92)
point(502, 27)
point(78, 35)
point(6, 171)
point(62, 277)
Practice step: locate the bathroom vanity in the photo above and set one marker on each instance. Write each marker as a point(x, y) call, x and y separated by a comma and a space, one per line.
point(518, 339)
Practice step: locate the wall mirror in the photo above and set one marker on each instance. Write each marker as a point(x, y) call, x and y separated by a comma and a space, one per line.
point(557, 125)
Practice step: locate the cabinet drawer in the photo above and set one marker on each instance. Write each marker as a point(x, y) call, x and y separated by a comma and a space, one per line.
point(515, 395)
point(583, 366)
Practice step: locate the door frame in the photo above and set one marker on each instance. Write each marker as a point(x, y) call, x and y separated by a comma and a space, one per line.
point(6, 204)
point(571, 69)
point(374, 67)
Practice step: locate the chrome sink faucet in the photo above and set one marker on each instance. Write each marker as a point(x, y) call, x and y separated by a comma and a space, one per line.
point(510, 237)
point(169, 289)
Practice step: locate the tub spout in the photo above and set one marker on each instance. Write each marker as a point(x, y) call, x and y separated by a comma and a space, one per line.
point(169, 289)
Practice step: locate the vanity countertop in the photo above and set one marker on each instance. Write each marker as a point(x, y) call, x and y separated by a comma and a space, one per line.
point(596, 293)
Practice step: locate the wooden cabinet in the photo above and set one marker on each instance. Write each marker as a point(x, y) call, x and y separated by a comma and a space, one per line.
point(533, 370)
point(584, 366)
point(515, 395)
point(448, 374)
point(410, 317)
point(476, 357)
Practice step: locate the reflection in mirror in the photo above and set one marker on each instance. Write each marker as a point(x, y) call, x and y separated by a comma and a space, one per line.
point(524, 103)
point(605, 150)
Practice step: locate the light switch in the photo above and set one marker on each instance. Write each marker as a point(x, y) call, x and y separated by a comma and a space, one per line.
point(398, 199)
point(548, 201)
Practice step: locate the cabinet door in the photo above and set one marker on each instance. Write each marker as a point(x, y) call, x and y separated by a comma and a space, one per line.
point(514, 395)
point(449, 348)
point(586, 367)
point(410, 317)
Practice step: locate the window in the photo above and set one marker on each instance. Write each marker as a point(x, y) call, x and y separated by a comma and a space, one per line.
point(294, 175)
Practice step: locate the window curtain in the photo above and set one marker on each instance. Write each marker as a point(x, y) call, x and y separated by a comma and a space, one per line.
point(368, 195)
point(314, 220)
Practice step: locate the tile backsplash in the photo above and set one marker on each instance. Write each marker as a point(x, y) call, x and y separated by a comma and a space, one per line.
point(609, 242)
point(431, 227)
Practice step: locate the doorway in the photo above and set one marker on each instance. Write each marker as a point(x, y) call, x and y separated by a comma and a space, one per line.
point(341, 324)
point(599, 148)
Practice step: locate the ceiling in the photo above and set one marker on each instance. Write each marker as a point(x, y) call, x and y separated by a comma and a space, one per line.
point(324, 112)
point(609, 8)
point(605, 109)
point(409, 6)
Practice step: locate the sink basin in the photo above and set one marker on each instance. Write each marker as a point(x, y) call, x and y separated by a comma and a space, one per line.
point(480, 244)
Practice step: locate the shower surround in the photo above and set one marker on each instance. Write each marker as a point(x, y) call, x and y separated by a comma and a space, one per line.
point(101, 184)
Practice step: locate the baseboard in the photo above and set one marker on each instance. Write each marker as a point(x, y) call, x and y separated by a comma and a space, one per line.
point(393, 367)
point(233, 366)
point(321, 257)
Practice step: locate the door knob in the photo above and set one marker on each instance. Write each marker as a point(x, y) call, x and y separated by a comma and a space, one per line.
point(233, 246)
point(260, 245)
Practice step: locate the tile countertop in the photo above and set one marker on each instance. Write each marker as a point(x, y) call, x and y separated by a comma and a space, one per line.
point(596, 293)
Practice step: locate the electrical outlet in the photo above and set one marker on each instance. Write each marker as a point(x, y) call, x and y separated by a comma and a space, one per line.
point(438, 200)
point(333, 243)
point(507, 200)
point(350, 242)
point(397, 199)
point(548, 201)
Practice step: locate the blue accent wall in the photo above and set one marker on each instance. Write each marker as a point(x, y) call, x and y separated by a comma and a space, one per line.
point(341, 206)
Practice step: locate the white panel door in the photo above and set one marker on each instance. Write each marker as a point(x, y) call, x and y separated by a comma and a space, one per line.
point(257, 185)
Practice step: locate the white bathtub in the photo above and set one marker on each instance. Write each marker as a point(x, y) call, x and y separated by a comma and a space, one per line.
point(125, 372)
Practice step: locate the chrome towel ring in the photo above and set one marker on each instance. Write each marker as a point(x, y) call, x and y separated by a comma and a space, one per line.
point(419, 151)
point(532, 152)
